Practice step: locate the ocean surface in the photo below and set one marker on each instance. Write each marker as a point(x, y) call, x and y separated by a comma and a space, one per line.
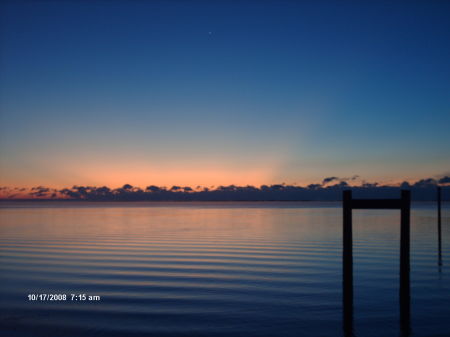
point(214, 269)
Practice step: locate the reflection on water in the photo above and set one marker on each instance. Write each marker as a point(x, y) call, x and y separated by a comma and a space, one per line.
point(214, 269)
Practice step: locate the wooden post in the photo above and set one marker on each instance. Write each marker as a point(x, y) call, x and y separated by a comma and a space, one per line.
point(439, 192)
point(404, 262)
point(347, 263)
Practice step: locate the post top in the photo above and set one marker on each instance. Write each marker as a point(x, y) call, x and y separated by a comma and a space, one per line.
point(400, 203)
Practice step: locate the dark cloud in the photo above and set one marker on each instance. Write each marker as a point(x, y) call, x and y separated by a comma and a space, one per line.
point(329, 180)
point(41, 191)
point(425, 183)
point(444, 180)
point(405, 185)
point(153, 188)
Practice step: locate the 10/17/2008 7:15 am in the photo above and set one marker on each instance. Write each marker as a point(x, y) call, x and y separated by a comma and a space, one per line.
point(63, 297)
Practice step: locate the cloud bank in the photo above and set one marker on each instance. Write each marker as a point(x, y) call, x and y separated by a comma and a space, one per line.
point(330, 189)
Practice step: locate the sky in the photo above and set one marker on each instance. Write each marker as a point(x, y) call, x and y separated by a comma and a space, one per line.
point(222, 92)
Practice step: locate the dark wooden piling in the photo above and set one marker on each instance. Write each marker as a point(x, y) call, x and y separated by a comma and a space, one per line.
point(439, 194)
point(347, 266)
point(404, 262)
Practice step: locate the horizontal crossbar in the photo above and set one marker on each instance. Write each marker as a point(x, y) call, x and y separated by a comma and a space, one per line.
point(376, 203)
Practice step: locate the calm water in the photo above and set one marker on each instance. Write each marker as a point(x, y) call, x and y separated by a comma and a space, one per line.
point(214, 269)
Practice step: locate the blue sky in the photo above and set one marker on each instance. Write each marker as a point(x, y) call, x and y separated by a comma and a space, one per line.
point(223, 92)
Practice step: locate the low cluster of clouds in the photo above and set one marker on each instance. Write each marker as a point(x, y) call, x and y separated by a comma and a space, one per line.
point(330, 189)
point(329, 180)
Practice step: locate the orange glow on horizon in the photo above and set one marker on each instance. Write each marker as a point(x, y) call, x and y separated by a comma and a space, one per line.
point(207, 173)
point(145, 177)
